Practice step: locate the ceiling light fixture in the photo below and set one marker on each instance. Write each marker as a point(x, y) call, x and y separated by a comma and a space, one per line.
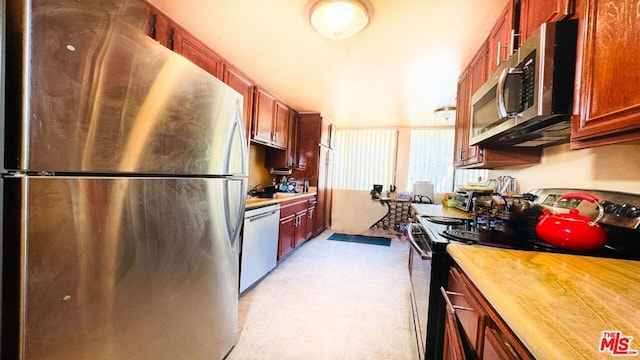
point(445, 113)
point(338, 19)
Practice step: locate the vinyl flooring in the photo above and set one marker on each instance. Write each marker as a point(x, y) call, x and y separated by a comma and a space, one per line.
point(330, 300)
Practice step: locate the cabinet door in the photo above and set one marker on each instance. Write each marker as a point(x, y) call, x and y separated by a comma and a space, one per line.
point(301, 228)
point(478, 69)
point(311, 219)
point(308, 135)
point(453, 348)
point(535, 12)
point(497, 346)
point(322, 190)
point(160, 28)
point(281, 125)
point(292, 146)
point(609, 99)
point(191, 48)
point(286, 237)
point(325, 133)
point(242, 84)
point(463, 118)
point(501, 39)
point(469, 313)
point(264, 110)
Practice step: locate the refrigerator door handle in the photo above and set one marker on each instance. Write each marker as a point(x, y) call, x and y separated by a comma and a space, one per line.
point(234, 227)
point(236, 137)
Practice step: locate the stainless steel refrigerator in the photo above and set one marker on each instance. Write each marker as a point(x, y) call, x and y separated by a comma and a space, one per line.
point(124, 174)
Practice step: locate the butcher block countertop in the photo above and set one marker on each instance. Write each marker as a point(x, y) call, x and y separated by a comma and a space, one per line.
point(557, 304)
point(439, 210)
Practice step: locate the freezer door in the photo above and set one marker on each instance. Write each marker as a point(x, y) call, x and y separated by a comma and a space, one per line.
point(139, 268)
point(91, 92)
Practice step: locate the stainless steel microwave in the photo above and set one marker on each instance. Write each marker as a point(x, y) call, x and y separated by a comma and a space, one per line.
point(528, 100)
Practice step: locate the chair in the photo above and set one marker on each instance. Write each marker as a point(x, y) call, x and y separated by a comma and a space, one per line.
point(422, 199)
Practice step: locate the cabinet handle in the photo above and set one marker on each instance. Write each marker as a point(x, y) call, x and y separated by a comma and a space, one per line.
point(453, 308)
point(171, 39)
point(154, 22)
point(498, 53)
point(513, 40)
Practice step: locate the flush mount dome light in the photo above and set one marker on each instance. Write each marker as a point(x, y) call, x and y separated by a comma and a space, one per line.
point(445, 113)
point(338, 19)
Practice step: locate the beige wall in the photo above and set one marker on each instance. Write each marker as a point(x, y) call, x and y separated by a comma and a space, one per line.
point(615, 167)
point(258, 174)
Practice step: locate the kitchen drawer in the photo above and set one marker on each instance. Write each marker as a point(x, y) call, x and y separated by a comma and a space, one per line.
point(291, 207)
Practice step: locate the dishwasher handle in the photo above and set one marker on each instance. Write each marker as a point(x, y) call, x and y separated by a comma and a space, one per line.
point(425, 255)
point(256, 217)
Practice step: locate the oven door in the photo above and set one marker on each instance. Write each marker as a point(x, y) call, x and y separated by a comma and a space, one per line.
point(420, 254)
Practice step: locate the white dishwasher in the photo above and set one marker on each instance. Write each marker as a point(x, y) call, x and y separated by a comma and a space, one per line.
point(259, 251)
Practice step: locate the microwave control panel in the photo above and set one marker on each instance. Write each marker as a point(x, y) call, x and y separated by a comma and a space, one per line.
point(528, 81)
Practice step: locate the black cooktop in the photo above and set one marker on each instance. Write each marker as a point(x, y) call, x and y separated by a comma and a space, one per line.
point(501, 241)
point(621, 245)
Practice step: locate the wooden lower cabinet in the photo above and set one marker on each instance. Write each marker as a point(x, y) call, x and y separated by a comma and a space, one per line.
point(473, 329)
point(296, 223)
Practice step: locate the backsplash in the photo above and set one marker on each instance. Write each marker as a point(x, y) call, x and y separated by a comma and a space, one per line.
point(258, 173)
point(612, 167)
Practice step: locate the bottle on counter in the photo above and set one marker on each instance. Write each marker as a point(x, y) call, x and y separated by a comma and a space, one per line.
point(283, 184)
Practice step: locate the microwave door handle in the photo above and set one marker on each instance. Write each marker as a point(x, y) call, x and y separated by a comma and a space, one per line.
point(502, 82)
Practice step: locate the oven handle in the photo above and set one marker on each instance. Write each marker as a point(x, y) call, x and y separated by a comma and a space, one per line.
point(425, 255)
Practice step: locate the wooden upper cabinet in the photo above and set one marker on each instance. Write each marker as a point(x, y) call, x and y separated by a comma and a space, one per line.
point(270, 120)
point(478, 74)
point(463, 117)
point(535, 12)
point(191, 48)
point(262, 126)
point(281, 125)
point(501, 39)
point(326, 132)
point(244, 85)
point(278, 158)
point(609, 96)
point(160, 27)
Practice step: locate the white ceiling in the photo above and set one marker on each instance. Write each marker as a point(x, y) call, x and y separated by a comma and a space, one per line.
point(401, 67)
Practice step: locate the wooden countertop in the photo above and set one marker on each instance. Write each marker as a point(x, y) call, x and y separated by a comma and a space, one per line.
point(439, 210)
point(557, 304)
point(252, 203)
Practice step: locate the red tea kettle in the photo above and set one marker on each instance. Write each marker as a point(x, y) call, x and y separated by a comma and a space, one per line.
point(571, 230)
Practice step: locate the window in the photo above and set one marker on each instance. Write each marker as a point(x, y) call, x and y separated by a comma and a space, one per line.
point(363, 158)
point(431, 158)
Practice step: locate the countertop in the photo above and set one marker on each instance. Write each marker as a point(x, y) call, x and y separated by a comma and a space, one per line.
point(252, 203)
point(557, 304)
point(439, 210)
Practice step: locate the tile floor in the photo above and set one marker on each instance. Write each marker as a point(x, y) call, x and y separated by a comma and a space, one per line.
point(330, 300)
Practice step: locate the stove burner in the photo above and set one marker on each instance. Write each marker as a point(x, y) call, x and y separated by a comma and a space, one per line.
point(461, 235)
point(446, 220)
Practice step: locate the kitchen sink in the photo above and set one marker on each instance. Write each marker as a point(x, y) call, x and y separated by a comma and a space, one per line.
point(264, 195)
